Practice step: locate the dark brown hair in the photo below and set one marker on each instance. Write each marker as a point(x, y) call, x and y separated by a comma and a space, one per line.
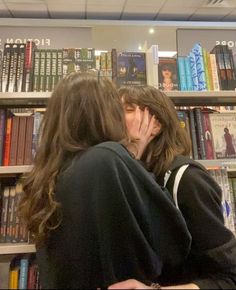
point(172, 139)
point(82, 111)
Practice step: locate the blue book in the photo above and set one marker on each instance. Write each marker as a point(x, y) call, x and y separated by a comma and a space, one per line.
point(202, 83)
point(193, 67)
point(24, 265)
point(182, 73)
point(188, 71)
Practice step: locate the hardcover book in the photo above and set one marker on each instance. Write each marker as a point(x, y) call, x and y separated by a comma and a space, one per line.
point(223, 127)
point(131, 68)
point(167, 74)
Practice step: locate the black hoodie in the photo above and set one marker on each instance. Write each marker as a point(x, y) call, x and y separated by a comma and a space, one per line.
point(117, 224)
point(211, 263)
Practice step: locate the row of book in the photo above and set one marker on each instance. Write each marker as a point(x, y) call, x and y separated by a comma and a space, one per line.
point(204, 71)
point(19, 135)
point(24, 67)
point(213, 134)
point(232, 186)
point(228, 196)
point(12, 228)
point(20, 273)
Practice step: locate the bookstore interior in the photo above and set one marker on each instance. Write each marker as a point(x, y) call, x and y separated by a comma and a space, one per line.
point(186, 48)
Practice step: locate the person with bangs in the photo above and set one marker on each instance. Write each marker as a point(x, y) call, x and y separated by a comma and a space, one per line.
point(211, 262)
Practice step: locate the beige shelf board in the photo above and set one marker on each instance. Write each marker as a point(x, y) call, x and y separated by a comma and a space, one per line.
point(209, 98)
point(15, 169)
point(9, 249)
point(229, 163)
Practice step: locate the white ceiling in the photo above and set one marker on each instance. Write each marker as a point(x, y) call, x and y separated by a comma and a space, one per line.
point(185, 10)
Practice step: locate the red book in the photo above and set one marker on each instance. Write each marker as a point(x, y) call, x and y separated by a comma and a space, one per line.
point(7, 143)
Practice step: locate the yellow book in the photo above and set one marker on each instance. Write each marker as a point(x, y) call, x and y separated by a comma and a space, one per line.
point(14, 278)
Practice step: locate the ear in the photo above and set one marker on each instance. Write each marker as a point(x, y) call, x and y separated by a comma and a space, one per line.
point(156, 128)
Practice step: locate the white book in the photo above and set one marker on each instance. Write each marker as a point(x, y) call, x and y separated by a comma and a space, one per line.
point(152, 66)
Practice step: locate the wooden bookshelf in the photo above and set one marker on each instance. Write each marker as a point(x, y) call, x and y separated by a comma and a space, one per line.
point(206, 98)
point(210, 98)
point(11, 249)
point(15, 169)
point(24, 99)
point(230, 164)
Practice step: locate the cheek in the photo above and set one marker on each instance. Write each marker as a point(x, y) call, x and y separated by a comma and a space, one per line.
point(129, 119)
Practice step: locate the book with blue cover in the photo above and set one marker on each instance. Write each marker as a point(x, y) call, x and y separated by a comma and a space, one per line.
point(131, 68)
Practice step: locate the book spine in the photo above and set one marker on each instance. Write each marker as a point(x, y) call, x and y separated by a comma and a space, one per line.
point(204, 53)
point(36, 70)
point(200, 133)
point(60, 68)
point(13, 68)
point(197, 50)
point(29, 61)
point(214, 70)
point(20, 68)
point(35, 136)
point(4, 214)
point(2, 134)
point(7, 143)
point(24, 264)
point(21, 141)
point(10, 214)
point(42, 70)
point(6, 66)
point(209, 68)
point(14, 140)
point(28, 140)
point(54, 69)
point(16, 218)
point(182, 73)
point(114, 65)
point(193, 135)
point(189, 79)
point(48, 71)
point(193, 67)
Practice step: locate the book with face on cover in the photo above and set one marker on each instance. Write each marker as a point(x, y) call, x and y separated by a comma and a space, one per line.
point(167, 74)
point(223, 128)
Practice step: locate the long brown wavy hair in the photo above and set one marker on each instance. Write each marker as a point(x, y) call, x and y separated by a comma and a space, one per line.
point(172, 139)
point(82, 111)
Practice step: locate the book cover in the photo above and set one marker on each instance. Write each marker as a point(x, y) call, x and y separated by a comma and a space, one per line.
point(167, 74)
point(223, 126)
point(131, 68)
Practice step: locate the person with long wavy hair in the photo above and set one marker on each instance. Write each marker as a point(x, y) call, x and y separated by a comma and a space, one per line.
point(211, 263)
point(96, 215)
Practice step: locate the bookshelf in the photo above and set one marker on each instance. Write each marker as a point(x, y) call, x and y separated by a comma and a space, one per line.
point(210, 98)
point(11, 249)
point(15, 169)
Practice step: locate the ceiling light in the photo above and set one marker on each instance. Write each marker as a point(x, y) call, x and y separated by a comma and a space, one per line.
point(151, 31)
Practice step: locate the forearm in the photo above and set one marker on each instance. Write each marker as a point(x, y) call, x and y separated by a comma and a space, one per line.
point(185, 286)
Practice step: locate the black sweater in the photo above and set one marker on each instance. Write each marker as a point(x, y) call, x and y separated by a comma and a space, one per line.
point(117, 224)
point(212, 260)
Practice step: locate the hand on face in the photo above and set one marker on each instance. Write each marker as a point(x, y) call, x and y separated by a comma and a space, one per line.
point(142, 128)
